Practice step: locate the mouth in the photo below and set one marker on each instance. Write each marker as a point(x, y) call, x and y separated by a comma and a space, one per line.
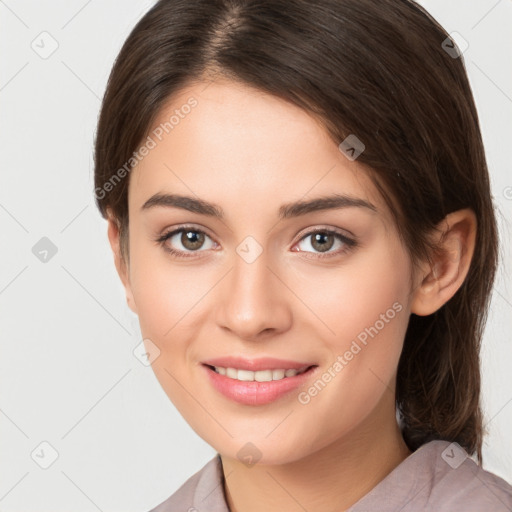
point(268, 375)
point(260, 387)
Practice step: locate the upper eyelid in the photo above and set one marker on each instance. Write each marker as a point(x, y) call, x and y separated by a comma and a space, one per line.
point(338, 231)
point(173, 231)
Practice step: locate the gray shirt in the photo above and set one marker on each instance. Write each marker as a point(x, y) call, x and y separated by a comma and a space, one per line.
point(439, 476)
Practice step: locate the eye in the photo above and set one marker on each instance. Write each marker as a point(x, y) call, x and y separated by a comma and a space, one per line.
point(321, 241)
point(184, 241)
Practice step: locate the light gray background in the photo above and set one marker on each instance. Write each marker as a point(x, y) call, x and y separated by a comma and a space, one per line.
point(67, 372)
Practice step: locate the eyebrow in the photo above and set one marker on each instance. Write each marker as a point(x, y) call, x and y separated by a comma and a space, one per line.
point(286, 211)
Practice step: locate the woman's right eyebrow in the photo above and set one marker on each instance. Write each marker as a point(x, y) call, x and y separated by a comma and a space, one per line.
point(286, 211)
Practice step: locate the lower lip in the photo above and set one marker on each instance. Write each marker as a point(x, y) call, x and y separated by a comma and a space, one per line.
point(256, 393)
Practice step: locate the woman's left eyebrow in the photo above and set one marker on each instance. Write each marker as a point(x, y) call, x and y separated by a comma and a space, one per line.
point(286, 211)
point(334, 201)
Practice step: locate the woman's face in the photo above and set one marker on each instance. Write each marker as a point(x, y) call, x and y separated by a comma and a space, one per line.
point(252, 280)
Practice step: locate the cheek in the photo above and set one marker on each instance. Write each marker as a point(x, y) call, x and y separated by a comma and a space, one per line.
point(168, 297)
point(376, 293)
point(170, 311)
point(366, 311)
point(349, 300)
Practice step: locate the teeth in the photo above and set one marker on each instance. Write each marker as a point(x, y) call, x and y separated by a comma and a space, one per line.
point(278, 374)
point(259, 376)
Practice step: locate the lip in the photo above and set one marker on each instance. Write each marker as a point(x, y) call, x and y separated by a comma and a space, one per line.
point(253, 392)
point(254, 365)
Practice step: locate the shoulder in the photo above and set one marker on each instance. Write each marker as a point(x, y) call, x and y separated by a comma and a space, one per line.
point(458, 481)
point(204, 490)
point(439, 476)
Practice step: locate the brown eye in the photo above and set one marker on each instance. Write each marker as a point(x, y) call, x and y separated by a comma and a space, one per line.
point(192, 240)
point(322, 241)
point(185, 241)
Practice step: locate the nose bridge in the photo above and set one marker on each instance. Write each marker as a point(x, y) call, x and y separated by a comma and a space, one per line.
point(251, 300)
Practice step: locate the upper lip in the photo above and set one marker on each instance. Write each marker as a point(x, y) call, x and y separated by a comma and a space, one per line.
point(264, 363)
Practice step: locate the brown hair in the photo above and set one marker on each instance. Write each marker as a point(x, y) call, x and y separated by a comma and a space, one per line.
point(376, 69)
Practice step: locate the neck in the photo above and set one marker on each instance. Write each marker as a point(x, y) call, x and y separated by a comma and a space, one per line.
point(332, 478)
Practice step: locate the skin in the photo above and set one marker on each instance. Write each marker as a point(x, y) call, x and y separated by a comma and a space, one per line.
point(249, 152)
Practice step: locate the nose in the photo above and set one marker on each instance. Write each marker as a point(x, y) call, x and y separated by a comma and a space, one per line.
point(253, 302)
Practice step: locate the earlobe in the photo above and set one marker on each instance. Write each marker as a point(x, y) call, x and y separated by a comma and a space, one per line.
point(121, 265)
point(455, 237)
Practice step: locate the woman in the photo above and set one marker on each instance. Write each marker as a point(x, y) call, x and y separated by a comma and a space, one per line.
point(298, 206)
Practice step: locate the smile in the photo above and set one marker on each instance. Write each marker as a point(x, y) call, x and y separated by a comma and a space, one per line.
point(258, 387)
point(258, 376)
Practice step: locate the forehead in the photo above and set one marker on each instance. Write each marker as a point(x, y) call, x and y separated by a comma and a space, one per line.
point(229, 143)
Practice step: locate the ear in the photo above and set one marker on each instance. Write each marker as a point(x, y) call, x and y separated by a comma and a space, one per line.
point(121, 265)
point(455, 235)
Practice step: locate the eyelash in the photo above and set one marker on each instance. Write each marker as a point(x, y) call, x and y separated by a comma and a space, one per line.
point(349, 243)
